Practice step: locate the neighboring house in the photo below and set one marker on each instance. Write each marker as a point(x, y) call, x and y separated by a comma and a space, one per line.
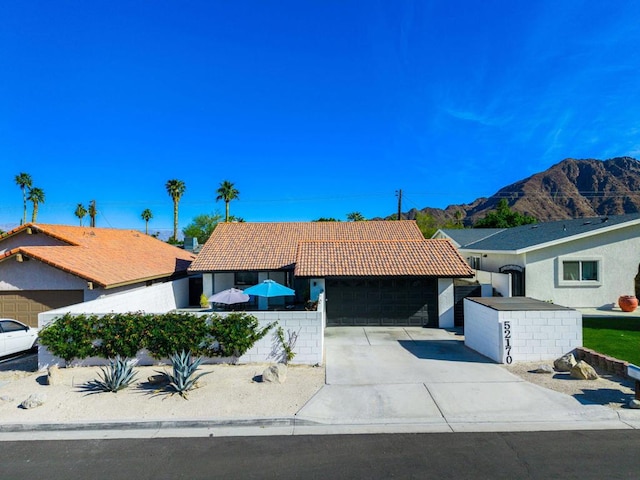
point(43, 267)
point(372, 272)
point(581, 263)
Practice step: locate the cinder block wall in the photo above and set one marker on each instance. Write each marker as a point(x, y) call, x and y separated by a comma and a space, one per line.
point(534, 335)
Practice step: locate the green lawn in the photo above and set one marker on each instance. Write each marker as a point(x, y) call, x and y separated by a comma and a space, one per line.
point(613, 336)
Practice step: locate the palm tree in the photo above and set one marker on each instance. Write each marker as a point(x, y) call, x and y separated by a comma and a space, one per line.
point(80, 212)
point(227, 192)
point(23, 180)
point(175, 189)
point(146, 216)
point(355, 217)
point(36, 196)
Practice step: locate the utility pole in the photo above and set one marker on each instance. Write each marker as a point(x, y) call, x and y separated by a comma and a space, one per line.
point(92, 213)
point(399, 195)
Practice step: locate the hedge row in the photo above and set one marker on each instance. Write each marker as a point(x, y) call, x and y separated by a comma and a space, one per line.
point(125, 334)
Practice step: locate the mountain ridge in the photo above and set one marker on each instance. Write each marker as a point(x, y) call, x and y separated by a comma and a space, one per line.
point(572, 188)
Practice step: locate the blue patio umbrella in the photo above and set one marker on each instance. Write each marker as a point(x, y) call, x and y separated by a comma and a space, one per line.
point(269, 288)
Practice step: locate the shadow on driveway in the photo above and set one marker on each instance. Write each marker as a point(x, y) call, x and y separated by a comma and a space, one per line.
point(452, 350)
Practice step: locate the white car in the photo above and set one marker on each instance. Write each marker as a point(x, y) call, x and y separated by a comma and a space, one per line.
point(16, 337)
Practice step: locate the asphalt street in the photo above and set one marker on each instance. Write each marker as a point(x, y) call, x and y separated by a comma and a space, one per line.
point(514, 455)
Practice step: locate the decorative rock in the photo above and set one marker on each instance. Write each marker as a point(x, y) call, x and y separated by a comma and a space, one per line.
point(634, 404)
point(583, 371)
point(53, 375)
point(157, 379)
point(543, 369)
point(565, 363)
point(34, 400)
point(275, 373)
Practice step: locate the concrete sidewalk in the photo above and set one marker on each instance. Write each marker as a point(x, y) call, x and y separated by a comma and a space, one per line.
point(384, 380)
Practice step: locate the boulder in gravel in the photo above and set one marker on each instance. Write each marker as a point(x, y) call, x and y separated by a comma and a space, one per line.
point(583, 371)
point(543, 369)
point(34, 400)
point(53, 375)
point(275, 373)
point(159, 379)
point(565, 363)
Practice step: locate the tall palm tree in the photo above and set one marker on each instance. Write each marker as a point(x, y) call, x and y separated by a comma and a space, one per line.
point(36, 196)
point(23, 180)
point(175, 189)
point(146, 216)
point(227, 192)
point(80, 212)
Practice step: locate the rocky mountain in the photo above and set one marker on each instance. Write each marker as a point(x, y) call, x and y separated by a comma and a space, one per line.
point(570, 189)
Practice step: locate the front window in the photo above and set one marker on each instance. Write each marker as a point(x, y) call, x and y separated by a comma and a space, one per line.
point(246, 278)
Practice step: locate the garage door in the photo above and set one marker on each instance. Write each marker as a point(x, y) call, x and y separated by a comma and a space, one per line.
point(382, 301)
point(25, 305)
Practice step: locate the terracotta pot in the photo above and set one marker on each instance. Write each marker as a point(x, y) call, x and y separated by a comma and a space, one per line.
point(628, 303)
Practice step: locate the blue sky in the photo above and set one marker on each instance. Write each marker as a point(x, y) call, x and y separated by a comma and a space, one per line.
point(312, 108)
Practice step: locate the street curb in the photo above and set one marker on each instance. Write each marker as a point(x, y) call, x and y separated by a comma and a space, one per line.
point(156, 425)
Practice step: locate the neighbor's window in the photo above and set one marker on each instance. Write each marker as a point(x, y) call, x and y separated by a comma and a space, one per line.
point(580, 270)
point(474, 262)
point(246, 278)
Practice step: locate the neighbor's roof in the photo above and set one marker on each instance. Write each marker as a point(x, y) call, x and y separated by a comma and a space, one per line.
point(108, 257)
point(434, 258)
point(310, 246)
point(465, 236)
point(532, 237)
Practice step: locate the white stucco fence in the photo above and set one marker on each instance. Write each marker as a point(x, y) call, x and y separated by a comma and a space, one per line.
point(162, 298)
point(508, 336)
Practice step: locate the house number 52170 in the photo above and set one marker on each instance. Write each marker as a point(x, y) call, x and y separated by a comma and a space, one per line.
point(507, 342)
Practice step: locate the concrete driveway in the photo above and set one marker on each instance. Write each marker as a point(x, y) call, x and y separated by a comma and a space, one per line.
point(428, 378)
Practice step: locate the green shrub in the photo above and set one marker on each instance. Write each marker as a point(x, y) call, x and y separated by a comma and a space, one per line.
point(174, 332)
point(124, 334)
point(70, 336)
point(120, 334)
point(234, 334)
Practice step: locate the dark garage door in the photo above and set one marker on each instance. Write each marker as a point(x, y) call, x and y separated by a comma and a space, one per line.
point(25, 305)
point(382, 301)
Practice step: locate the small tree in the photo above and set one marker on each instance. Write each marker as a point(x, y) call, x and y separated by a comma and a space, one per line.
point(201, 227)
point(504, 217)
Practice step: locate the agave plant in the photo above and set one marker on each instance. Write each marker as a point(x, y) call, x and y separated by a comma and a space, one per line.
point(183, 378)
point(118, 375)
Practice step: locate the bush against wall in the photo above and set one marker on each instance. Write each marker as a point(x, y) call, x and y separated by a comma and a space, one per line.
point(125, 334)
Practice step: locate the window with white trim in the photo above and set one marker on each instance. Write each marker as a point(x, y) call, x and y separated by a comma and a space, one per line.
point(580, 271)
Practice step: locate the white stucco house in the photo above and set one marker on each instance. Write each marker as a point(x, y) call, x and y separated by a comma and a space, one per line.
point(43, 267)
point(578, 263)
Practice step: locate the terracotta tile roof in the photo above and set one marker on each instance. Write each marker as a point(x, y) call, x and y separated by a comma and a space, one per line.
point(329, 248)
point(108, 257)
point(273, 246)
point(433, 258)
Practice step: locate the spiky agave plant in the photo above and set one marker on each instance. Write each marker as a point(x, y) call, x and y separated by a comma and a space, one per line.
point(118, 375)
point(183, 378)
